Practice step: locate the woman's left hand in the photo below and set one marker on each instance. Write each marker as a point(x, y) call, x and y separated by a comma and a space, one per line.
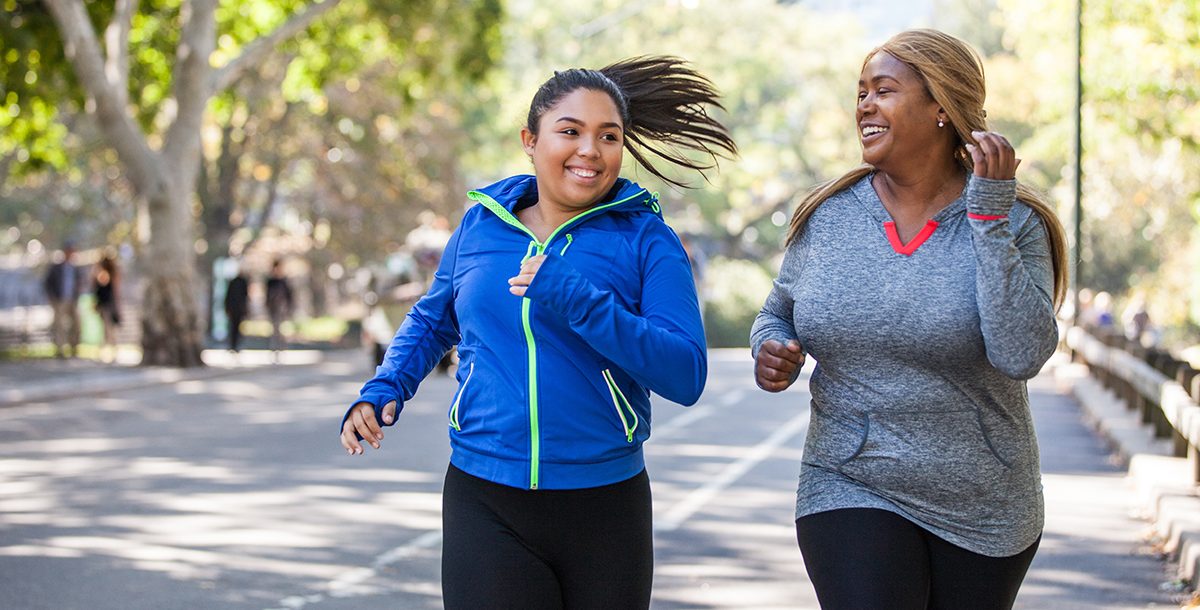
point(520, 283)
point(994, 157)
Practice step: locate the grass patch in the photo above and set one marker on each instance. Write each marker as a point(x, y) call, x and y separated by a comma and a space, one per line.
point(323, 329)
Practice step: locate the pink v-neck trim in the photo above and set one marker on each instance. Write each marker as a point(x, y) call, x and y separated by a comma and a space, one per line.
point(893, 236)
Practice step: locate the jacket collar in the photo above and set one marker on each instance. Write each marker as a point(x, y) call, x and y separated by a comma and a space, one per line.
point(520, 191)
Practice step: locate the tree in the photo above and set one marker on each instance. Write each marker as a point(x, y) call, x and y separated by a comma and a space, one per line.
point(1141, 132)
point(158, 138)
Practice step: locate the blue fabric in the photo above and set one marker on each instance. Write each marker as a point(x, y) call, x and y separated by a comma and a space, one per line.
point(620, 299)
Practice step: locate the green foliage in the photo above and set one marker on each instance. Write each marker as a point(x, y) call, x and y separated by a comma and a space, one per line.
point(31, 86)
point(739, 288)
point(38, 87)
point(153, 38)
point(1141, 125)
point(366, 133)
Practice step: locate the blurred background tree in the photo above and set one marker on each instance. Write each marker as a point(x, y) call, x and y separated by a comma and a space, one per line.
point(147, 73)
point(1141, 128)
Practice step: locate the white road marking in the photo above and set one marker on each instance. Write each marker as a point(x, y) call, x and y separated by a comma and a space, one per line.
point(694, 414)
point(696, 500)
point(350, 584)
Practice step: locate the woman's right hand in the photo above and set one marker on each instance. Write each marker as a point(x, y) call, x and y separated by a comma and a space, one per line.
point(776, 365)
point(362, 421)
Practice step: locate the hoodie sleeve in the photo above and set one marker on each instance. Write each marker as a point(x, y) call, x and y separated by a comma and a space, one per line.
point(774, 320)
point(429, 330)
point(662, 346)
point(1014, 279)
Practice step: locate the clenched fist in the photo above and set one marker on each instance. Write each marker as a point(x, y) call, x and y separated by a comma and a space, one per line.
point(777, 364)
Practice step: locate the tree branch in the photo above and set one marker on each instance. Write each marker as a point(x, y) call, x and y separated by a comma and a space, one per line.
point(255, 52)
point(190, 86)
point(116, 44)
point(83, 51)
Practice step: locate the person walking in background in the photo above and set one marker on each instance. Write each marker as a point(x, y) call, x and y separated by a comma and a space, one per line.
point(924, 283)
point(279, 304)
point(1137, 321)
point(64, 284)
point(106, 284)
point(570, 300)
point(237, 305)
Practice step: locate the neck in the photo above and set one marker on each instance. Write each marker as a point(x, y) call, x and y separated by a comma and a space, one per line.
point(922, 192)
point(544, 217)
point(552, 216)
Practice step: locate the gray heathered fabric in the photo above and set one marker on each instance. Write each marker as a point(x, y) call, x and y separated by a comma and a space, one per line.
point(919, 401)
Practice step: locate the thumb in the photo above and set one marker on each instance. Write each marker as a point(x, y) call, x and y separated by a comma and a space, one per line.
point(389, 412)
point(794, 346)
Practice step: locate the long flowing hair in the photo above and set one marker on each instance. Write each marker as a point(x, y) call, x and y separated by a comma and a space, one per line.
point(663, 105)
point(953, 74)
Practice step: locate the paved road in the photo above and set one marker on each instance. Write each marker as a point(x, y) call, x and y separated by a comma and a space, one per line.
point(232, 492)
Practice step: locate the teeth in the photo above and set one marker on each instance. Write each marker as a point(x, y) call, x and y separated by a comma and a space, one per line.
point(872, 130)
point(584, 173)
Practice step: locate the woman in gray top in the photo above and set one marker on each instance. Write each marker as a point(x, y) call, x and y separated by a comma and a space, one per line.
point(924, 282)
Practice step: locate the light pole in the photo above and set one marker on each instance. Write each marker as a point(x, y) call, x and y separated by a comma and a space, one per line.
point(1077, 248)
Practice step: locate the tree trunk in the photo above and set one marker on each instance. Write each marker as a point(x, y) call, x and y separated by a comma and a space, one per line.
point(172, 332)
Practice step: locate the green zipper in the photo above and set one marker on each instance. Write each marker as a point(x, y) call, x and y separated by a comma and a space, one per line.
point(458, 399)
point(535, 447)
point(615, 391)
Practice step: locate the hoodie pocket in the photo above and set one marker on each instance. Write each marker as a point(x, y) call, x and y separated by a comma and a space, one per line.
point(453, 415)
point(929, 458)
point(625, 412)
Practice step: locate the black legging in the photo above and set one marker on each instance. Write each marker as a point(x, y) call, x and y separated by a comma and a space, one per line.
point(863, 558)
point(550, 549)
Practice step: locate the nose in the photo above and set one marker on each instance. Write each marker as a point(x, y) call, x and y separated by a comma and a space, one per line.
point(588, 148)
point(864, 105)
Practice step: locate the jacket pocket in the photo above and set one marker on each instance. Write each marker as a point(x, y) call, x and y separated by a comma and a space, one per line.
point(625, 412)
point(928, 458)
point(453, 415)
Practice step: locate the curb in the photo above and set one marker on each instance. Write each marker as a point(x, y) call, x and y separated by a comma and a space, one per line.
point(1164, 492)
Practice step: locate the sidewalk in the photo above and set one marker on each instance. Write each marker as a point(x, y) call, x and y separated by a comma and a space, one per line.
point(1161, 488)
point(1095, 552)
point(41, 380)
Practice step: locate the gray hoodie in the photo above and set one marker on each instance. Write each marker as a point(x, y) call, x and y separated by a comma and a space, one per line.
point(919, 401)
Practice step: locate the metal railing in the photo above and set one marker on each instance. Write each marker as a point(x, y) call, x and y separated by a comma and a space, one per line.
point(1164, 390)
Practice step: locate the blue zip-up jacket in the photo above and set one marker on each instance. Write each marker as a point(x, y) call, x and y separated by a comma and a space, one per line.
point(554, 388)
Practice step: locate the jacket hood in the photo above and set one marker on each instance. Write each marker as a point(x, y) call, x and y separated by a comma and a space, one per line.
point(628, 195)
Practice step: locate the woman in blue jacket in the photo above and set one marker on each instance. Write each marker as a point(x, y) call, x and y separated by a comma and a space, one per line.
point(570, 300)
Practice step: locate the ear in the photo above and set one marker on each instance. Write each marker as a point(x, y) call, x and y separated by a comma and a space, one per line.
point(942, 116)
point(528, 140)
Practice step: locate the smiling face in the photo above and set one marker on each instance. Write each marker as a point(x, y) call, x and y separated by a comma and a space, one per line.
point(897, 117)
point(577, 150)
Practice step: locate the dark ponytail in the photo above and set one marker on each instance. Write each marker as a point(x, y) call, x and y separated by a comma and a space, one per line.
point(659, 99)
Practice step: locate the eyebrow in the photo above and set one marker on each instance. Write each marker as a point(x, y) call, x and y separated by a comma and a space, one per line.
point(879, 77)
point(582, 124)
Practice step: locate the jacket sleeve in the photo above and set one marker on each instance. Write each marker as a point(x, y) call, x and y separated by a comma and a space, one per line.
point(1014, 279)
point(662, 346)
point(774, 320)
point(429, 330)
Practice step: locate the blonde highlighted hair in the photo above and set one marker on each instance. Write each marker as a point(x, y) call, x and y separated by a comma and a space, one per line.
point(953, 75)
